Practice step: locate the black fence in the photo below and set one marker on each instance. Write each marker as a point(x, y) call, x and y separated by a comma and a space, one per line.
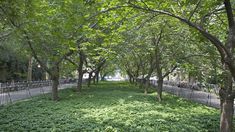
point(206, 87)
point(17, 86)
point(10, 92)
point(202, 93)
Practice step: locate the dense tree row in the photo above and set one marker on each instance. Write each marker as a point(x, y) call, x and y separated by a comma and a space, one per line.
point(144, 38)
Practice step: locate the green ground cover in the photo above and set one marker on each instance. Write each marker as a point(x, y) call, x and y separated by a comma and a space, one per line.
point(109, 106)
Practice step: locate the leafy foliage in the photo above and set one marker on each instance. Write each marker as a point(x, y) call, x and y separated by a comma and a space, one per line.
point(108, 107)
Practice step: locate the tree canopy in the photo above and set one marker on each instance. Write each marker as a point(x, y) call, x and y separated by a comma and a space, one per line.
point(143, 38)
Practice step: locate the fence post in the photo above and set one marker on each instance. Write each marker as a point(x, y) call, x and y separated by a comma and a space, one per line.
point(8, 91)
point(28, 87)
point(209, 95)
point(41, 84)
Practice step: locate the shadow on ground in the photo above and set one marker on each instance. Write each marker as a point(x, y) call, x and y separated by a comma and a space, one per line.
point(109, 106)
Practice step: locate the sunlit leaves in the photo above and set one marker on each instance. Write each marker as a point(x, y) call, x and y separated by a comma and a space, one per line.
point(108, 107)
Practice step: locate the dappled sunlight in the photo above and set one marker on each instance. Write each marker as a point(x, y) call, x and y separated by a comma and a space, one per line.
point(111, 106)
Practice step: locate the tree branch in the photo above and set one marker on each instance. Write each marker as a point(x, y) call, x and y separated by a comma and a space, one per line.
point(170, 71)
point(72, 62)
point(70, 52)
point(216, 11)
point(146, 21)
point(215, 41)
point(229, 12)
point(195, 9)
point(35, 54)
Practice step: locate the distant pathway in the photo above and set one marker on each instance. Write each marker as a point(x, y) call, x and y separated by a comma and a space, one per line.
point(6, 98)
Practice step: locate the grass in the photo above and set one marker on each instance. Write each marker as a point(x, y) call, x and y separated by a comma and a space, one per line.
point(109, 106)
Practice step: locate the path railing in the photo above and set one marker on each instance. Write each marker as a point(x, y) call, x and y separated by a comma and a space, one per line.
point(17, 86)
point(202, 93)
point(10, 92)
point(206, 87)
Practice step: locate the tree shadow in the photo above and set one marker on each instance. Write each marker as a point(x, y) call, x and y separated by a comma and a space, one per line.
point(109, 107)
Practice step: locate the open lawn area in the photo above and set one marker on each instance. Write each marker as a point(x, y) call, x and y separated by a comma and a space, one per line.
point(108, 106)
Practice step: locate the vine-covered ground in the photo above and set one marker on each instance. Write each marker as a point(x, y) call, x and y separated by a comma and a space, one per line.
point(108, 106)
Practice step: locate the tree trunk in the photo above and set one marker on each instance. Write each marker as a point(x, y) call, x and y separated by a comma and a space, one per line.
point(79, 83)
point(141, 82)
point(226, 117)
point(146, 86)
point(97, 77)
point(159, 89)
point(145, 90)
point(30, 68)
point(226, 103)
point(130, 79)
point(94, 79)
point(135, 81)
point(55, 83)
point(89, 79)
point(103, 77)
point(80, 70)
point(227, 94)
point(47, 76)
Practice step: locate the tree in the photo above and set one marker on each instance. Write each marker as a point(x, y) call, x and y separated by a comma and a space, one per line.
point(225, 48)
point(50, 45)
point(108, 69)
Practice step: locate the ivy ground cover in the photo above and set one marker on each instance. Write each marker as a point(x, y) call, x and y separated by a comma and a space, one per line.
point(108, 106)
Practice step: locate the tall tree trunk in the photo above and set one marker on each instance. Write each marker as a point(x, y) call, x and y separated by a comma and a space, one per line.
point(94, 79)
point(103, 77)
point(47, 76)
point(135, 81)
point(158, 60)
point(30, 68)
point(130, 79)
point(159, 88)
point(89, 79)
point(226, 104)
point(146, 85)
point(227, 94)
point(79, 83)
point(97, 77)
point(80, 75)
point(55, 82)
point(142, 83)
point(226, 117)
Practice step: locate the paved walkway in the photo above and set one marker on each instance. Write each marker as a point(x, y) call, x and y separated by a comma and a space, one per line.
point(6, 98)
point(209, 99)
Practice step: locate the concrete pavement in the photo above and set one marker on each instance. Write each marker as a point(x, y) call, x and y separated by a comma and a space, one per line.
point(6, 98)
point(209, 99)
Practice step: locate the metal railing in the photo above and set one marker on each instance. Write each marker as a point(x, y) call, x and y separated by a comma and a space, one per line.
point(13, 91)
point(206, 87)
point(202, 93)
point(17, 86)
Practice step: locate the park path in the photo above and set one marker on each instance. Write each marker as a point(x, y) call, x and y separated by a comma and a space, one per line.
point(6, 98)
point(206, 98)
